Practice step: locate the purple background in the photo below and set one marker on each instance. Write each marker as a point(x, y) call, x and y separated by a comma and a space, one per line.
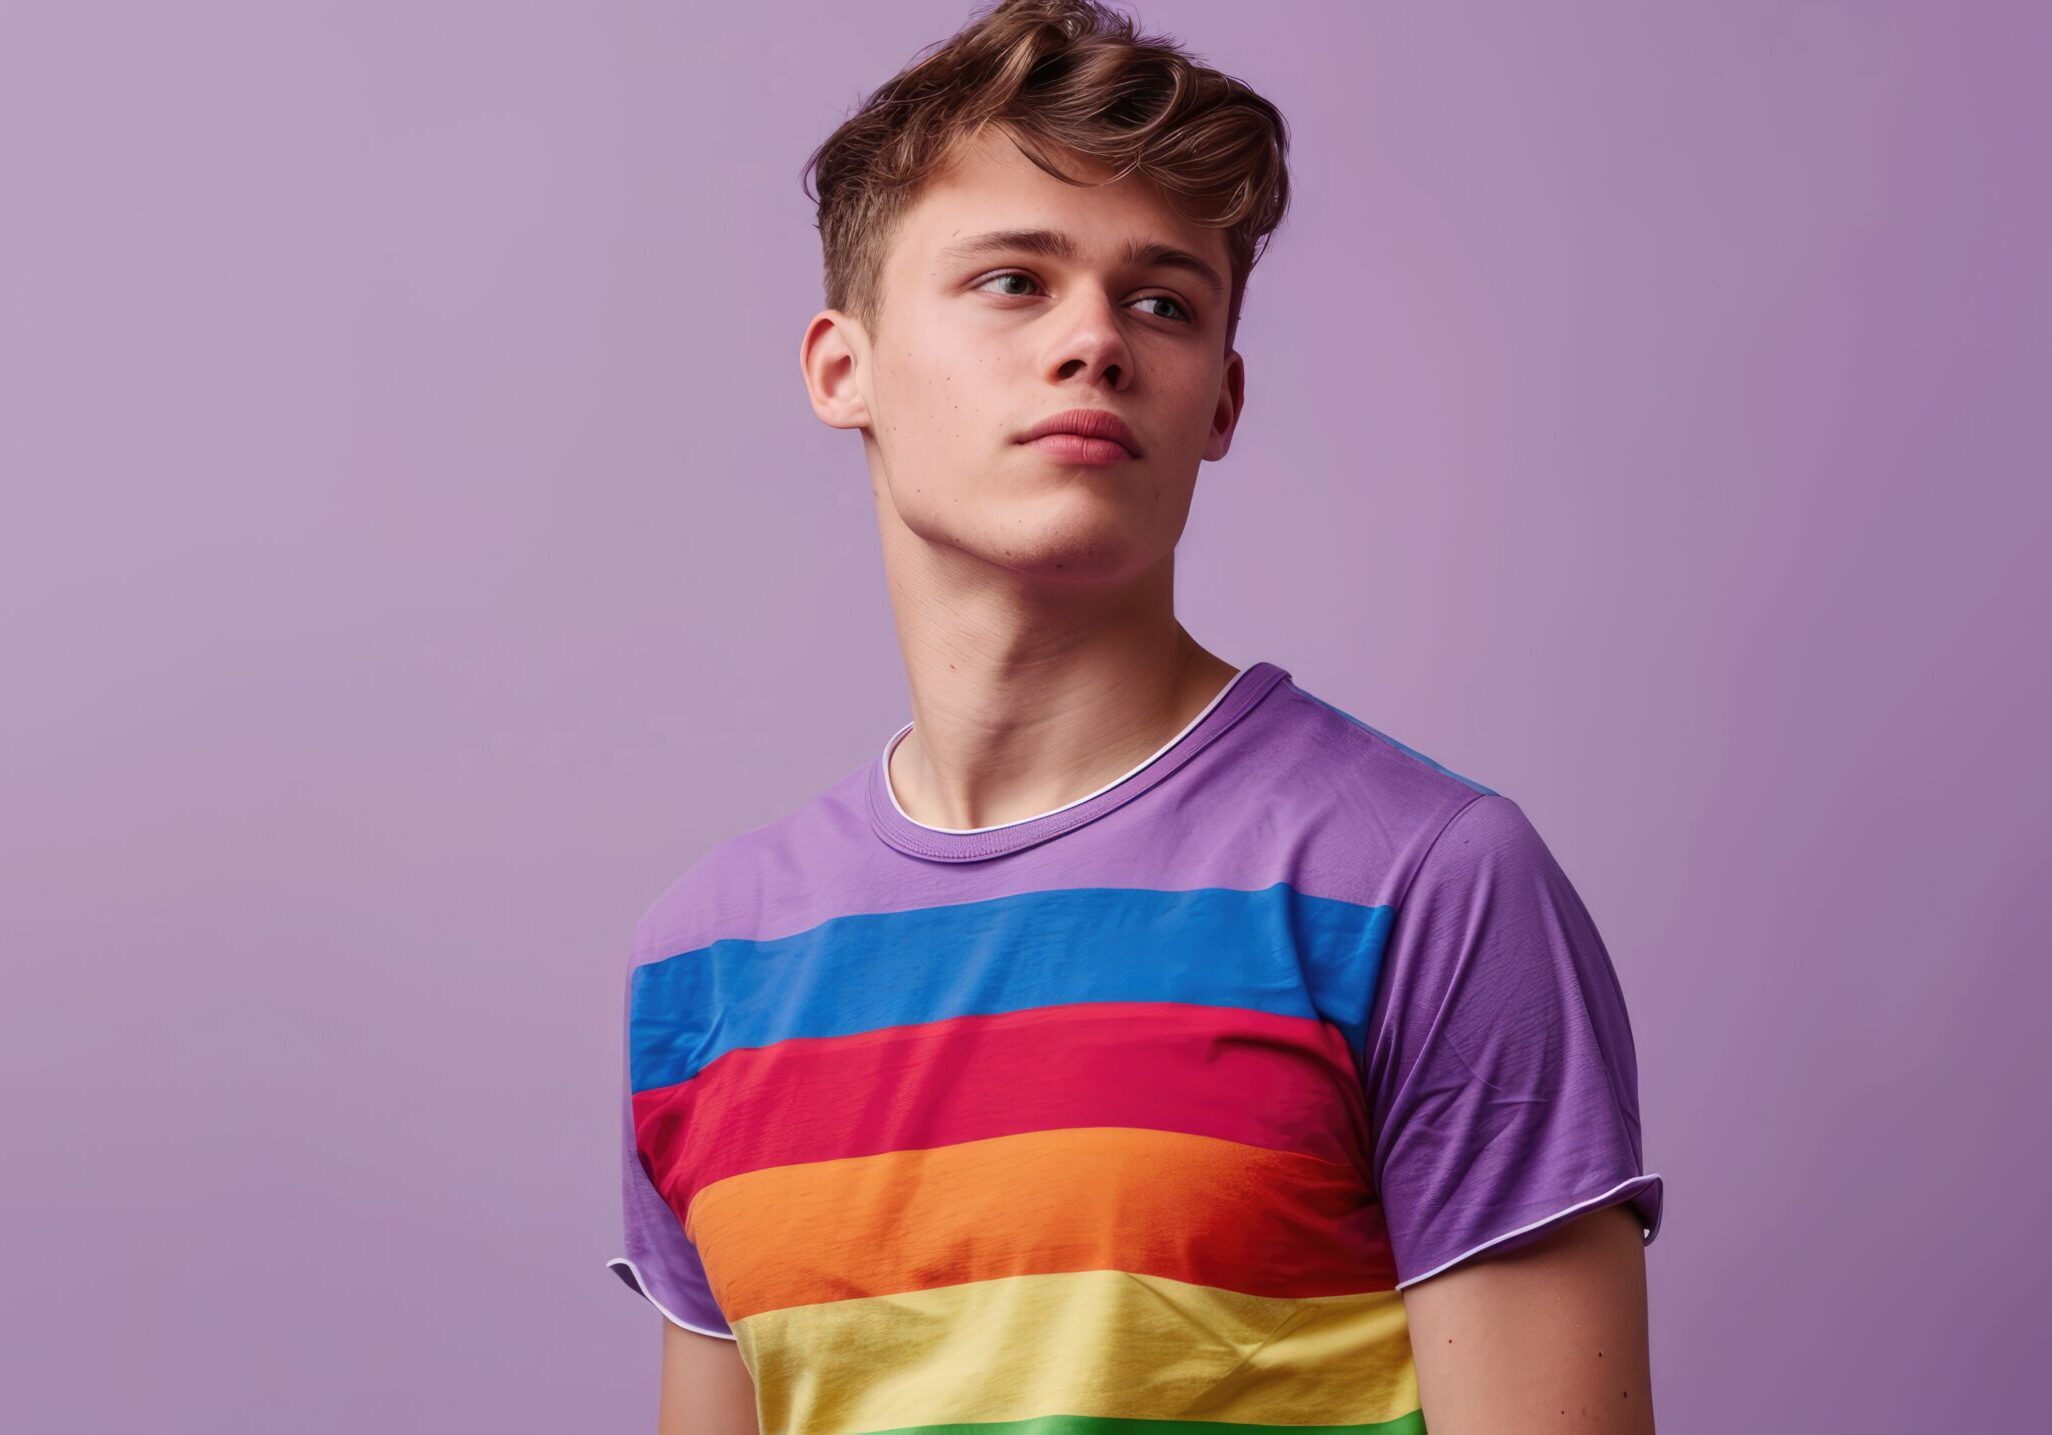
point(418, 548)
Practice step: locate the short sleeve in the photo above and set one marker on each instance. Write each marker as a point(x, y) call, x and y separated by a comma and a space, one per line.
point(659, 1260)
point(1502, 1080)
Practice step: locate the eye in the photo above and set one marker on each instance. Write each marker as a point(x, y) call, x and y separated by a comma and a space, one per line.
point(1008, 274)
point(1181, 314)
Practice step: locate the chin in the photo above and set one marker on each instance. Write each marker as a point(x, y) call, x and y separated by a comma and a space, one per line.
point(1075, 547)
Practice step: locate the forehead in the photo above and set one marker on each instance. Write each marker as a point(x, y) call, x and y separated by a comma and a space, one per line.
point(988, 184)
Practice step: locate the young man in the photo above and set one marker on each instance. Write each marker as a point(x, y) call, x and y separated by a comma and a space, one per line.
point(1137, 1041)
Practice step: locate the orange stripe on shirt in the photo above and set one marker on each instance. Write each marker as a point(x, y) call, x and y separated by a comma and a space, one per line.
point(1190, 1208)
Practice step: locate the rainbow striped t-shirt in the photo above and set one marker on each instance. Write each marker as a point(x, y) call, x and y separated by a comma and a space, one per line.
point(1136, 1115)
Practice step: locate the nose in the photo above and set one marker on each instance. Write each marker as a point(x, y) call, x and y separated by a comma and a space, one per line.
point(1088, 343)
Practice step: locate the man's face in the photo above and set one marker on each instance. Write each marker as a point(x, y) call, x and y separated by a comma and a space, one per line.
point(981, 338)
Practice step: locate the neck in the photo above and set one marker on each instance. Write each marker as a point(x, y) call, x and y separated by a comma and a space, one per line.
point(1027, 695)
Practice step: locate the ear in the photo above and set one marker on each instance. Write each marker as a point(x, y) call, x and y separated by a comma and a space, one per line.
point(1232, 400)
point(831, 356)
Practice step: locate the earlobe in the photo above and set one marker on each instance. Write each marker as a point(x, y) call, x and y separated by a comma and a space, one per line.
point(1232, 401)
point(829, 359)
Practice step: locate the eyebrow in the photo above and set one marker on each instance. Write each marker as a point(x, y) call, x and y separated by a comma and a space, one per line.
point(1054, 244)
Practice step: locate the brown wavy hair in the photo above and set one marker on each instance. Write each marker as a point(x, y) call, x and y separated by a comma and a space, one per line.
point(1054, 75)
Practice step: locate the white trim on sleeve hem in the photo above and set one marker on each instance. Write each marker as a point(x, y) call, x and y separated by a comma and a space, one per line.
point(641, 1285)
point(1532, 1225)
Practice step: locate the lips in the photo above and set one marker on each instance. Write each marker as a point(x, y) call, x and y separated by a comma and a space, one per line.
point(1099, 426)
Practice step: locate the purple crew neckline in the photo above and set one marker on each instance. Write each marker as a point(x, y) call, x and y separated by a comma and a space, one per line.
point(1247, 688)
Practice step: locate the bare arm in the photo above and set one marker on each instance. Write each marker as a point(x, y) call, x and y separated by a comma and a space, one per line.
point(706, 1389)
point(1547, 1337)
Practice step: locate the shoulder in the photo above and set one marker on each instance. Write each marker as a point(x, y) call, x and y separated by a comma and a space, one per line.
point(743, 886)
point(1371, 753)
point(1492, 831)
point(1377, 806)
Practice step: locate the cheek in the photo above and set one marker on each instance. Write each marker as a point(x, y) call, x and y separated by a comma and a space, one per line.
point(928, 426)
point(1198, 388)
point(939, 400)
